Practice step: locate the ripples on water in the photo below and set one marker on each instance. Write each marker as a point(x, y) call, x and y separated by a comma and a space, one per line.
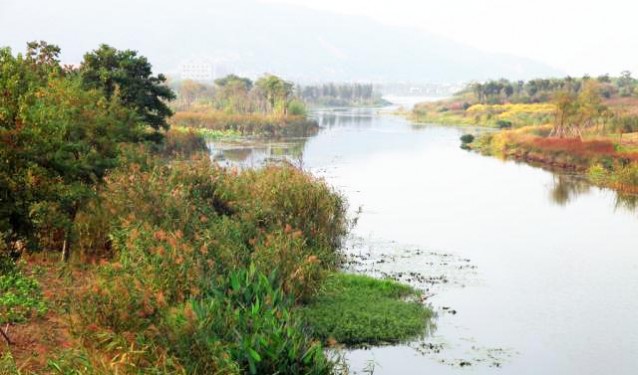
point(530, 272)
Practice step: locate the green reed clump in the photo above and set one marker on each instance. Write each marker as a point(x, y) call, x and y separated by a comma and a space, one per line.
point(182, 237)
point(249, 317)
point(354, 309)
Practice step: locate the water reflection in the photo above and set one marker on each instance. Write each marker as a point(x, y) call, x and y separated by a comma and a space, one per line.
point(328, 118)
point(628, 202)
point(568, 187)
point(250, 153)
point(526, 268)
point(256, 152)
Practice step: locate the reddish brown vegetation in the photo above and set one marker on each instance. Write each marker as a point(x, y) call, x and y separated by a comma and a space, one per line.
point(575, 146)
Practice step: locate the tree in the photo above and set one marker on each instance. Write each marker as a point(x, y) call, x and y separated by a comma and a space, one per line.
point(129, 77)
point(590, 105)
point(576, 112)
point(234, 80)
point(566, 112)
point(189, 91)
point(233, 93)
point(626, 84)
point(58, 141)
point(20, 77)
point(277, 92)
point(477, 89)
point(604, 78)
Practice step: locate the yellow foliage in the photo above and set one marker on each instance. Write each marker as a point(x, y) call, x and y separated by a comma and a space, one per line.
point(511, 109)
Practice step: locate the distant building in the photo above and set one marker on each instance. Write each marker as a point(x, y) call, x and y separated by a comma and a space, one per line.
point(198, 70)
point(204, 70)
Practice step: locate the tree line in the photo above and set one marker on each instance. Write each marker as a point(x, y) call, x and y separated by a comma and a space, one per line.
point(338, 94)
point(270, 95)
point(541, 90)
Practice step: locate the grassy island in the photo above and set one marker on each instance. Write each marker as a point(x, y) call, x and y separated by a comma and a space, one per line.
point(268, 107)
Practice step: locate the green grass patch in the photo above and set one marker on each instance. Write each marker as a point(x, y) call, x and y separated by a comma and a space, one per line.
point(209, 134)
point(355, 309)
point(20, 295)
point(7, 364)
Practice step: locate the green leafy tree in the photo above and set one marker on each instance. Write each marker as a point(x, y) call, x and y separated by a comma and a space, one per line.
point(626, 84)
point(276, 91)
point(234, 94)
point(129, 77)
point(20, 77)
point(191, 91)
point(565, 117)
point(234, 80)
point(59, 140)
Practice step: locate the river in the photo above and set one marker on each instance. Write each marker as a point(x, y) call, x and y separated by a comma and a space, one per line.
point(529, 272)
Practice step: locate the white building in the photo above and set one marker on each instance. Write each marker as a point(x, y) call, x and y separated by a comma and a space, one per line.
point(198, 70)
point(205, 70)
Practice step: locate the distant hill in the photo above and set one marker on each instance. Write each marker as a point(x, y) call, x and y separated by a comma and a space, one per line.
point(256, 37)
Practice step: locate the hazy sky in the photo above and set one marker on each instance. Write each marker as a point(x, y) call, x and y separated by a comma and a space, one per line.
point(577, 36)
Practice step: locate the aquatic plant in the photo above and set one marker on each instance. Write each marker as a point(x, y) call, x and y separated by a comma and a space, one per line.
point(355, 309)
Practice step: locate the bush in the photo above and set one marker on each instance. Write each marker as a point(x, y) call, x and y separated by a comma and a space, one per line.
point(297, 108)
point(249, 318)
point(183, 143)
point(467, 139)
point(179, 233)
point(20, 295)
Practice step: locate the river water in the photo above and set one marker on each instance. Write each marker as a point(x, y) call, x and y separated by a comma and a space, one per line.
point(529, 272)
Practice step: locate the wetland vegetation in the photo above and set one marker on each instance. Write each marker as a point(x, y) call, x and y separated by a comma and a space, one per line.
point(126, 249)
point(235, 105)
point(588, 125)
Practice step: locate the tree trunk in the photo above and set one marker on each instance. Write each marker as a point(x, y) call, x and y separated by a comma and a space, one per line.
point(65, 252)
point(5, 335)
point(66, 245)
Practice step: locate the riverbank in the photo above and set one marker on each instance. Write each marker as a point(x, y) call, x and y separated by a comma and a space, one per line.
point(172, 270)
point(609, 161)
point(579, 125)
point(460, 112)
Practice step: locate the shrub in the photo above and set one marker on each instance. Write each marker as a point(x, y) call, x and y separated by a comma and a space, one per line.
point(297, 108)
point(20, 295)
point(183, 143)
point(249, 318)
point(467, 138)
point(179, 232)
